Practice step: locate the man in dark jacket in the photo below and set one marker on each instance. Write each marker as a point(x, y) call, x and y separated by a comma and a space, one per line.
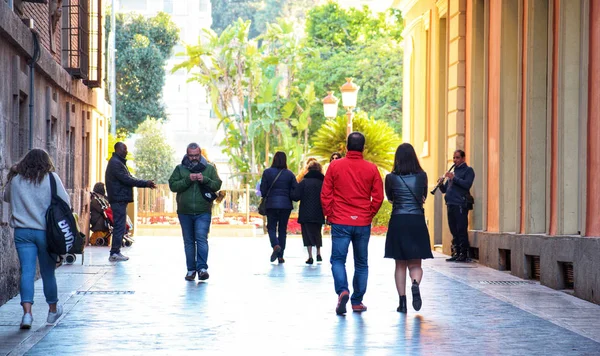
point(119, 186)
point(195, 181)
point(457, 189)
point(352, 194)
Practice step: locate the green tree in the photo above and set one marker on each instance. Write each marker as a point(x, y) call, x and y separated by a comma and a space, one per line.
point(356, 43)
point(226, 12)
point(381, 141)
point(153, 155)
point(143, 47)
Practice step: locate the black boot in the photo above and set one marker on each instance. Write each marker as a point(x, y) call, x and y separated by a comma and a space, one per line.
point(453, 258)
point(402, 307)
point(463, 256)
point(417, 302)
point(454, 255)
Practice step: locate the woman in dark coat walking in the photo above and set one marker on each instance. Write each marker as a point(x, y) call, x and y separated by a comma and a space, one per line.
point(407, 239)
point(276, 186)
point(310, 215)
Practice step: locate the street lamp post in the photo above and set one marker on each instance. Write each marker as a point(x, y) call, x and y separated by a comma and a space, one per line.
point(349, 96)
point(330, 105)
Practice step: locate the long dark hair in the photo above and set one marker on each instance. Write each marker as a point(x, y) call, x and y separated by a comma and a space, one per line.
point(33, 166)
point(279, 160)
point(406, 161)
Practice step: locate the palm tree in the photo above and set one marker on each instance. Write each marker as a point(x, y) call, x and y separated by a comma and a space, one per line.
point(380, 146)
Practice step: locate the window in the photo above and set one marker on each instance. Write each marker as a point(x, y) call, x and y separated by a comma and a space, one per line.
point(75, 38)
point(95, 44)
point(168, 6)
point(133, 5)
point(204, 5)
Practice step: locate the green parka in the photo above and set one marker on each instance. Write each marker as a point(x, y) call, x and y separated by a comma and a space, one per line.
point(189, 197)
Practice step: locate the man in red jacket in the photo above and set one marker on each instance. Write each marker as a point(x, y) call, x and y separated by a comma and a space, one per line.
point(351, 196)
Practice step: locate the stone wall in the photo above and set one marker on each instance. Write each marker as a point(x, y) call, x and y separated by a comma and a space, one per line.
point(553, 253)
point(69, 121)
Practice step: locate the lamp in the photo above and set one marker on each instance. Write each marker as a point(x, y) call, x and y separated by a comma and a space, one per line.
point(349, 97)
point(349, 93)
point(330, 105)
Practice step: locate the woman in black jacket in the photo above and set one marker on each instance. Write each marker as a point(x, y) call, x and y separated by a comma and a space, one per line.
point(310, 214)
point(276, 186)
point(407, 239)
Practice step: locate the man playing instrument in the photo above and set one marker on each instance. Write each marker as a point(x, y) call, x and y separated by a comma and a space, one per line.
point(457, 197)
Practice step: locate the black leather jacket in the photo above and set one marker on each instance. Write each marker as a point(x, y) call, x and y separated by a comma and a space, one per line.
point(402, 199)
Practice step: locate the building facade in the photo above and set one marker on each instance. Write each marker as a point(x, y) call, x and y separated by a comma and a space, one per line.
point(516, 84)
point(51, 97)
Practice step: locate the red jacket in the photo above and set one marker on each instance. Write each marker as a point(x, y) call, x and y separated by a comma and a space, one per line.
point(352, 191)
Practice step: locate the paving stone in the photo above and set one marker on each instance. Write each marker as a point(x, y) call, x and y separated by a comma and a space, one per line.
point(249, 305)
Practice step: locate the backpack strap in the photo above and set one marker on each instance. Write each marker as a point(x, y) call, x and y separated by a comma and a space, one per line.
point(52, 185)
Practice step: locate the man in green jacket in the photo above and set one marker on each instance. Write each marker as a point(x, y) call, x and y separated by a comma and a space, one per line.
point(195, 181)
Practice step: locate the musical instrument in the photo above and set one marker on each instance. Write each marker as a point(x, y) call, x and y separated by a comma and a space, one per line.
point(442, 182)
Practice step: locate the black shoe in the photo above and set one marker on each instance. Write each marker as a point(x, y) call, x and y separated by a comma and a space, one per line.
point(202, 275)
point(281, 260)
point(417, 302)
point(462, 258)
point(275, 253)
point(319, 259)
point(452, 259)
point(309, 261)
point(402, 307)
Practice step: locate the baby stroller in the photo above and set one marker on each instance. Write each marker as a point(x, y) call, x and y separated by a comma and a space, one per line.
point(102, 231)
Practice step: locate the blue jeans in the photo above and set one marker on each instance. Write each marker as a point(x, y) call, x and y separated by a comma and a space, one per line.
point(195, 229)
point(277, 222)
point(31, 246)
point(119, 226)
point(341, 235)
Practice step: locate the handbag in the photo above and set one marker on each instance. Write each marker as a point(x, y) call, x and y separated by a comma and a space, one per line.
point(262, 206)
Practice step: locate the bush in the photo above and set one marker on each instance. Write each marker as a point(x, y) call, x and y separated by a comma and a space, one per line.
point(383, 215)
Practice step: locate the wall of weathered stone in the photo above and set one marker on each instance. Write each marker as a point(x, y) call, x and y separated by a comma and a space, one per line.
point(69, 121)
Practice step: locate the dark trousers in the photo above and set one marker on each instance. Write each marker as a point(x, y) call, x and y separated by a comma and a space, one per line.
point(119, 226)
point(277, 221)
point(458, 221)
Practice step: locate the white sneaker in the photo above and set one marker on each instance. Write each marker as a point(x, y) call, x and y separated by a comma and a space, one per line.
point(27, 321)
point(117, 257)
point(53, 317)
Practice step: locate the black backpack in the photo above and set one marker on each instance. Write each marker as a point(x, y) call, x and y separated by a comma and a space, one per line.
point(62, 232)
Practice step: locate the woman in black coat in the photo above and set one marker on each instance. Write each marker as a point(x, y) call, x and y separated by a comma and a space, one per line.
point(276, 186)
point(311, 216)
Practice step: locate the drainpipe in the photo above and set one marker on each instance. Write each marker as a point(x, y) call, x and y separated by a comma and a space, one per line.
point(32, 62)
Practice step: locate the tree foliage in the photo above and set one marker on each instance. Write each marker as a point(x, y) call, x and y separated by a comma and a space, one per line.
point(356, 43)
point(380, 140)
point(255, 92)
point(143, 47)
point(259, 12)
point(153, 155)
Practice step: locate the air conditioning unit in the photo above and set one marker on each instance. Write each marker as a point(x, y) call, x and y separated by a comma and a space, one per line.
point(36, 1)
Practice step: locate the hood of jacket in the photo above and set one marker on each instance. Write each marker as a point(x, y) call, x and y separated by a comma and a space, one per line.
point(315, 174)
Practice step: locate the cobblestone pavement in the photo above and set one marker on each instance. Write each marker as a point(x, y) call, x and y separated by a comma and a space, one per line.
point(251, 306)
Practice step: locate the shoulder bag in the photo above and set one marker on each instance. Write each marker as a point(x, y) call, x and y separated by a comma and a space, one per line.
point(262, 207)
